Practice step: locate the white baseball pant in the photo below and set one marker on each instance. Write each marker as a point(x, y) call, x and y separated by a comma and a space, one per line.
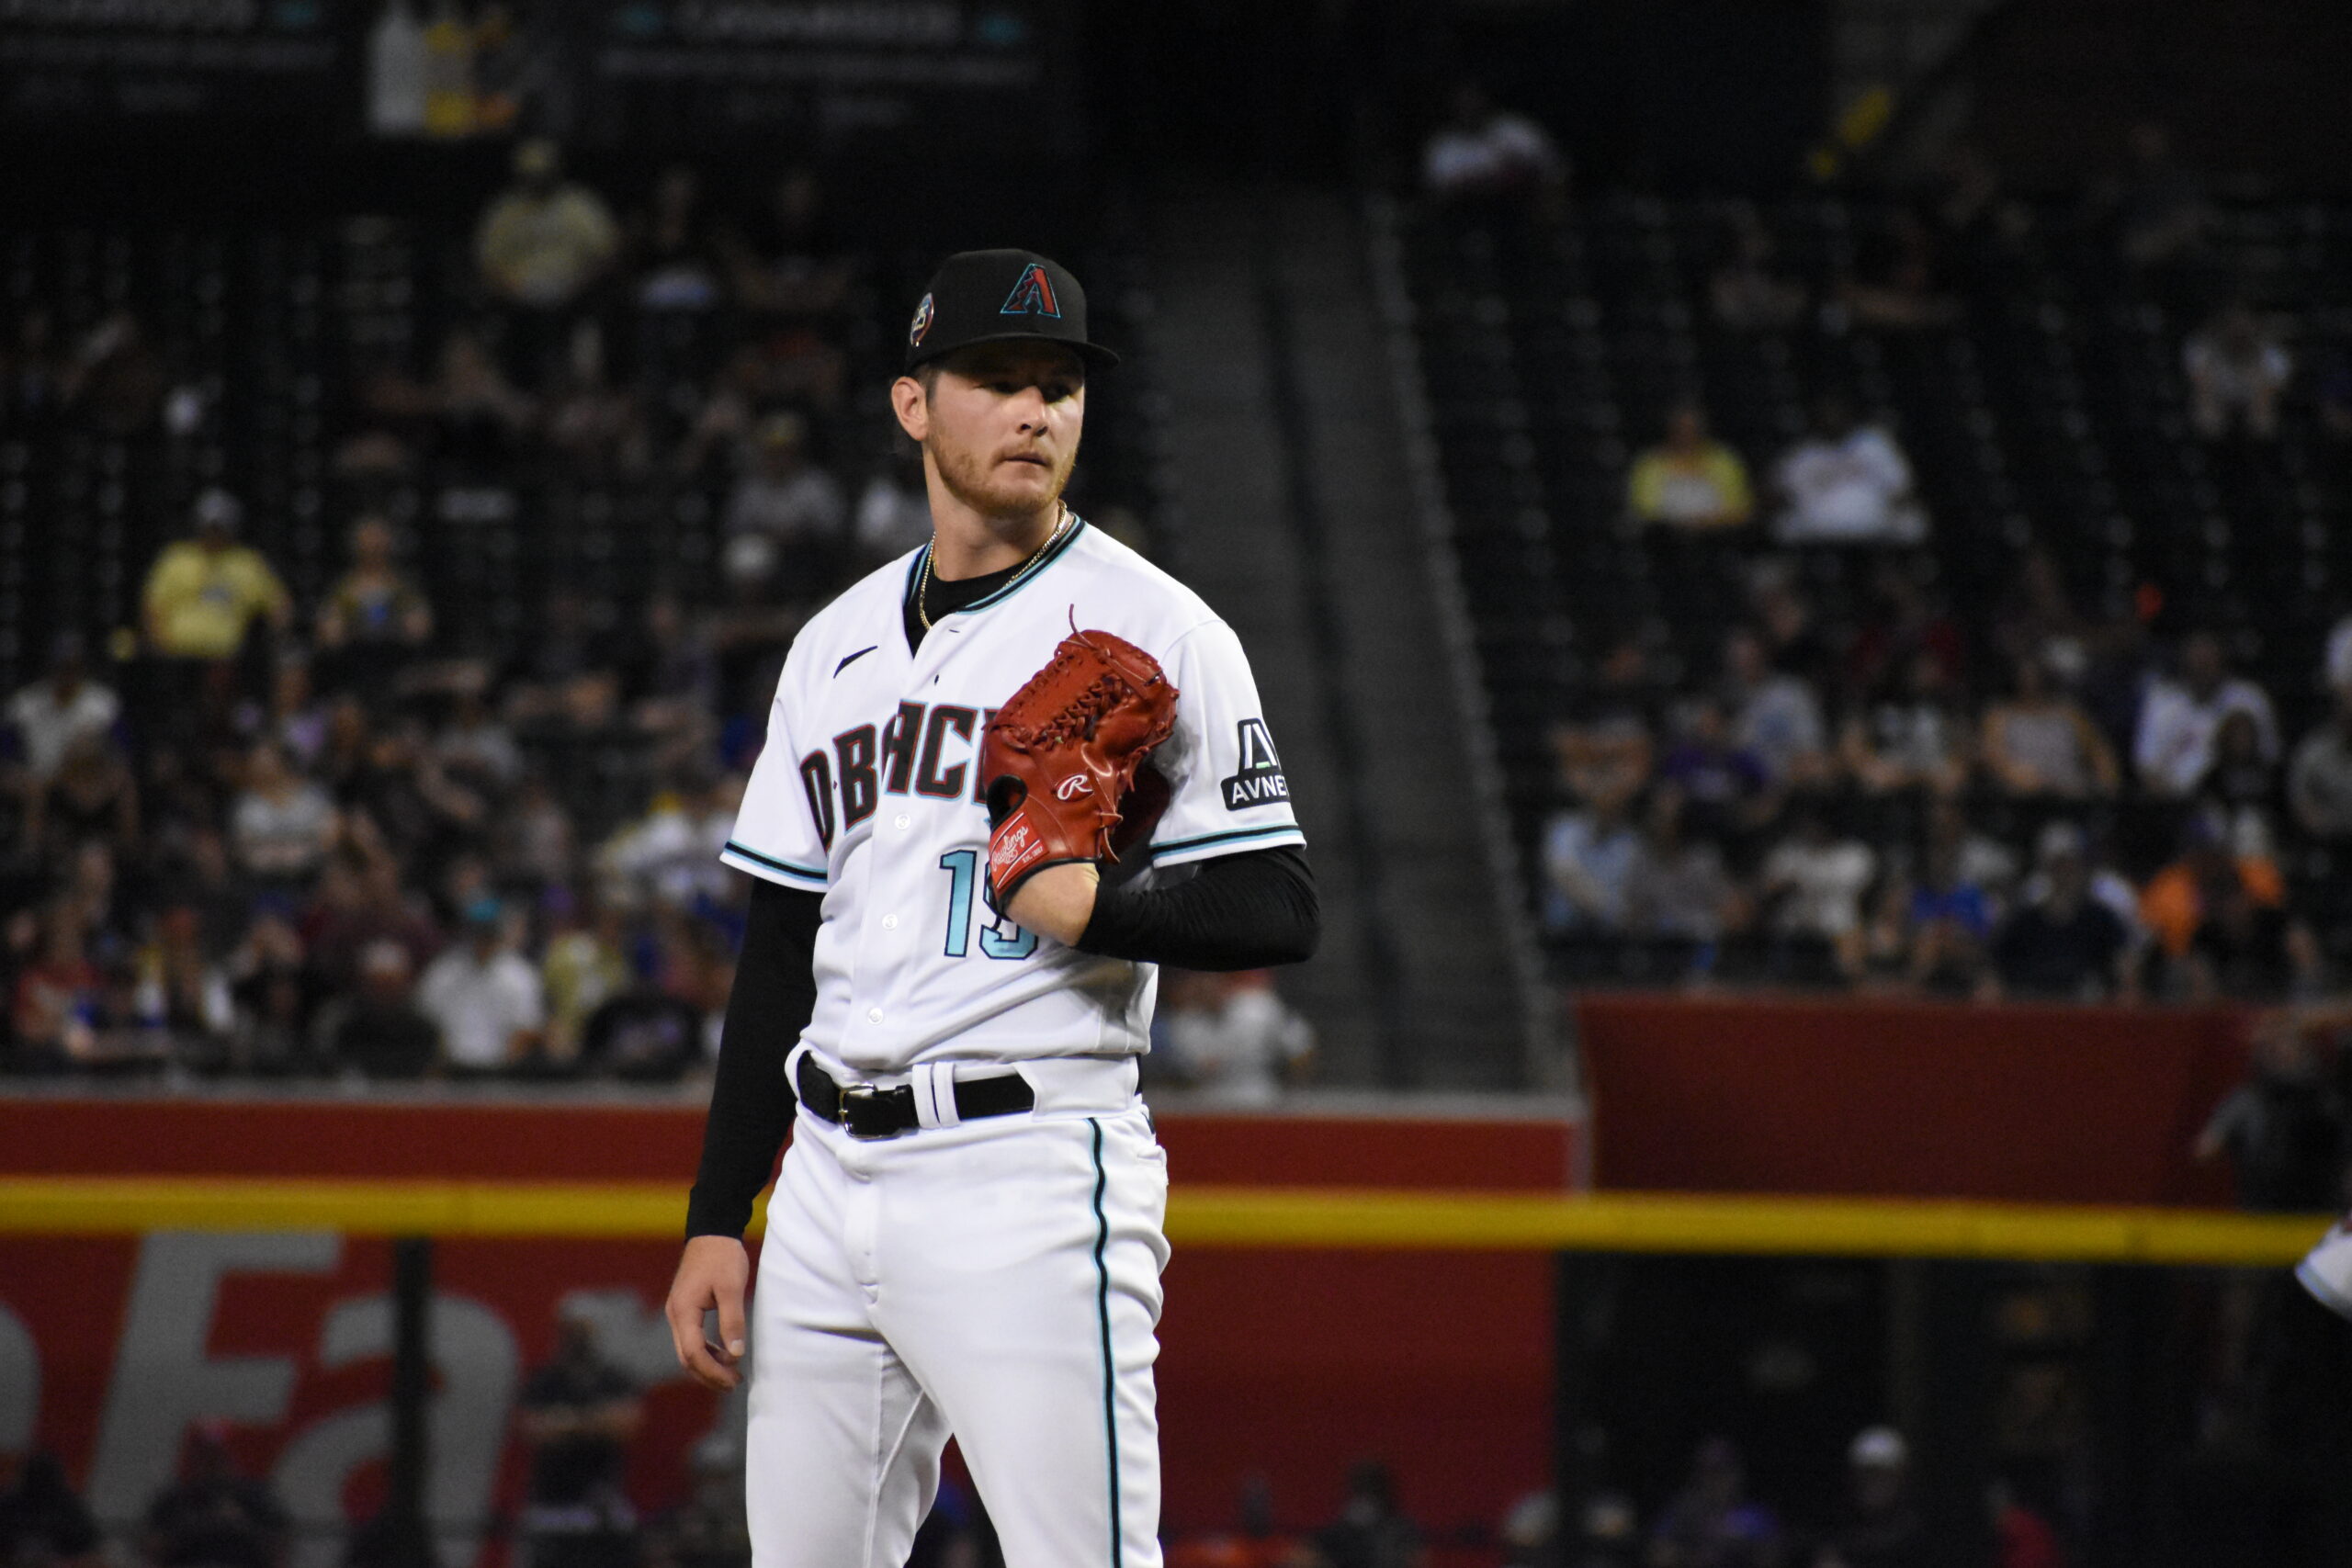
point(998, 1280)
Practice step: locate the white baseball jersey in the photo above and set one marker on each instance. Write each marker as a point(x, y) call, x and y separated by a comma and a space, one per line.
point(869, 792)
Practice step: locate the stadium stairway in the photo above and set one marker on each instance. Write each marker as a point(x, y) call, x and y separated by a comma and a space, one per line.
point(1285, 456)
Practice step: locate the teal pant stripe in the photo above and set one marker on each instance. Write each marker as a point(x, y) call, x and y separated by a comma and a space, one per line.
point(1110, 1366)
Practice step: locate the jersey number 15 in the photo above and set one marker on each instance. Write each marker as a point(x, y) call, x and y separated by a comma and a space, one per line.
point(1000, 940)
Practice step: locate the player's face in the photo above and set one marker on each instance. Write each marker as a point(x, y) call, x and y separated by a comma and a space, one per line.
point(1001, 423)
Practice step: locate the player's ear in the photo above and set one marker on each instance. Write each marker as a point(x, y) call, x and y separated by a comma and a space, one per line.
point(912, 406)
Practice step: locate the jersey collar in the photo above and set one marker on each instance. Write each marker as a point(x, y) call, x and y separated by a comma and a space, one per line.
point(1018, 581)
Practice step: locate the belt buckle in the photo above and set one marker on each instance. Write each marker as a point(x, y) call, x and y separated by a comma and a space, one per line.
point(863, 1098)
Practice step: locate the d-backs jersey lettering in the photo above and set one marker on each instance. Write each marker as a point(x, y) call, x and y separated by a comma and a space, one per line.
point(868, 792)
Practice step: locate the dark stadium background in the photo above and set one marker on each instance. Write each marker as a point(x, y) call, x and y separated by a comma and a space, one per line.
point(1606, 1216)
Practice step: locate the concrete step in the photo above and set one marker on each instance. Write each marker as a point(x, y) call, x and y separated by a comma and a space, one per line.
point(1295, 513)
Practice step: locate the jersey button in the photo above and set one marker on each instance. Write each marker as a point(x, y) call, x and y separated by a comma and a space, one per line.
point(889, 922)
point(902, 823)
point(873, 1015)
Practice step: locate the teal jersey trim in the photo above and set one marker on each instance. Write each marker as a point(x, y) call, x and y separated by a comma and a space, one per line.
point(1110, 1366)
point(1239, 835)
point(787, 867)
point(1029, 574)
point(1036, 570)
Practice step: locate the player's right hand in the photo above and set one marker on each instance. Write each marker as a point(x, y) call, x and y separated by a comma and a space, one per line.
point(714, 1272)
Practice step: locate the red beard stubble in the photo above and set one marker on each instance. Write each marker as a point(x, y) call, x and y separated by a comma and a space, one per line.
point(967, 477)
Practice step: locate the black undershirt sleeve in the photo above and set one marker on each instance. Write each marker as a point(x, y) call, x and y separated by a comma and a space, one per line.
point(1242, 911)
point(751, 1104)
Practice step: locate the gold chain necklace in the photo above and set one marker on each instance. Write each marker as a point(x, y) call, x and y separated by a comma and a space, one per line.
point(922, 579)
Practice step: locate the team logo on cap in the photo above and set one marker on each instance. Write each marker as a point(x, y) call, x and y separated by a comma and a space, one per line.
point(920, 325)
point(1033, 296)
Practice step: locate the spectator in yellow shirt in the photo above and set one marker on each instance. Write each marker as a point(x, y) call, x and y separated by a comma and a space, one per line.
point(1690, 480)
point(546, 241)
point(203, 594)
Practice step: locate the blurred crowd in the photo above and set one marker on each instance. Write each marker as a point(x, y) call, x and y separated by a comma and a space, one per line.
point(1713, 1519)
point(297, 842)
point(2053, 805)
point(340, 822)
point(369, 816)
point(210, 1515)
point(579, 1412)
point(1869, 765)
point(358, 834)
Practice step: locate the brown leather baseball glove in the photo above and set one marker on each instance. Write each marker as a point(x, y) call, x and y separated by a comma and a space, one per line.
point(1061, 757)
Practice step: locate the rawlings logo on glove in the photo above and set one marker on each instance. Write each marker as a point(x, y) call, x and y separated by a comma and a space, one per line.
point(1012, 853)
point(1061, 759)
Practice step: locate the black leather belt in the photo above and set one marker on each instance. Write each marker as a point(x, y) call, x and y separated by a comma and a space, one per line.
point(865, 1112)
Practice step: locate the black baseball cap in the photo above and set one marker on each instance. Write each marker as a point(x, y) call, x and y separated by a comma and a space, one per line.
point(1002, 297)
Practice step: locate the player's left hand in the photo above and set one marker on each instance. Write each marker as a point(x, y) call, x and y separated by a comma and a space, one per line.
point(1057, 902)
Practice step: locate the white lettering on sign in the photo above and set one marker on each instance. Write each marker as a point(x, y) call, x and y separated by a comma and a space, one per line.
point(631, 1334)
point(474, 1354)
point(163, 1378)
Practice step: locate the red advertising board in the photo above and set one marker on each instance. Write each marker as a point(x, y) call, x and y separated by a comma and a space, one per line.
point(1913, 1100)
point(1292, 1364)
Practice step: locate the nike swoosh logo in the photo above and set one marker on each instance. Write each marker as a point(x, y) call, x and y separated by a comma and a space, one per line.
point(853, 658)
